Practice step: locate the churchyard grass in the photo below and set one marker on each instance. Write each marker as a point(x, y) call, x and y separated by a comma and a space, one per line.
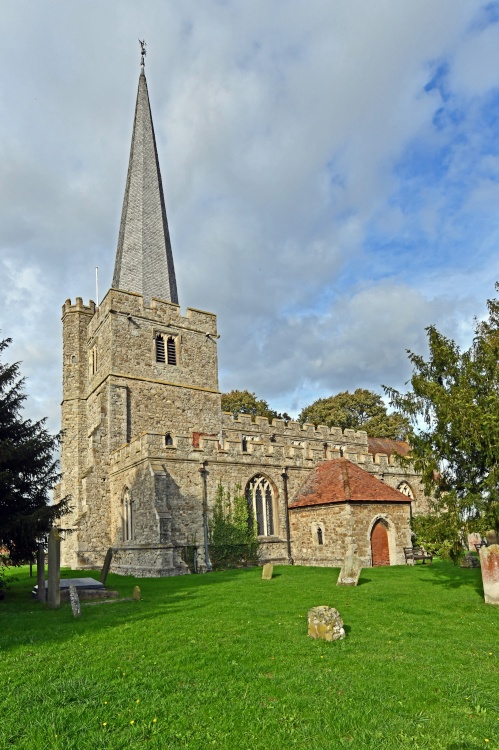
point(223, 661)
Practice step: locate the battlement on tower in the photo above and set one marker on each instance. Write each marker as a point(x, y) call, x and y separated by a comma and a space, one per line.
point(162, 312)
point(78, 307)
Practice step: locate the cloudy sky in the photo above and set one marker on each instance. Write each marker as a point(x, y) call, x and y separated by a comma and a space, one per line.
point(331, 171)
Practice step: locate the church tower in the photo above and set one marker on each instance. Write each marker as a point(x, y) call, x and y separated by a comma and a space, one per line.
point(134, 365)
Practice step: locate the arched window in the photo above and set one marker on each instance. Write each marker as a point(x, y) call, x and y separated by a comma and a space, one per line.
point(320, 537)
point(406, 489)
point(168, 439)
point(171, 351)
point(260, 499)
point(127, 516)
point(160, 348)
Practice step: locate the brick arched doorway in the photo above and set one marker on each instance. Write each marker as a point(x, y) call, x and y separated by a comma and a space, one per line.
point(379, 544)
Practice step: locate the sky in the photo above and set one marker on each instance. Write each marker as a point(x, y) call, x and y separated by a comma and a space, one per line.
point(330, 167)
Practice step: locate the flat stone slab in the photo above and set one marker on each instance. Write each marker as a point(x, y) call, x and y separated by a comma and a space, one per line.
point(80, 584)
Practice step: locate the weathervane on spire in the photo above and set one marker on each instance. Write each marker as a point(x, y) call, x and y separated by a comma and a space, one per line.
point(143, 52)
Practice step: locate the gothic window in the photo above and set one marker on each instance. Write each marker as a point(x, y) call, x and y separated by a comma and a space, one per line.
point(244, 443)
point(160, 349)
point(166, 349)
point(92, 361)
point(168, 439)
point(171, 351)
point(127, 516)
point(260, 499)
point(406, 489)
point(320, 537)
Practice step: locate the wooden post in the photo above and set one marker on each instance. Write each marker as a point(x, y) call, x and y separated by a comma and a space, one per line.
point(40, 573)
point(54, 574)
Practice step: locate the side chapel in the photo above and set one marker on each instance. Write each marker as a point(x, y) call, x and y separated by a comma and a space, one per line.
point(146, 443)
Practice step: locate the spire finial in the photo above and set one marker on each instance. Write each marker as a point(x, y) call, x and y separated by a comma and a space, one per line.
point(143, 52)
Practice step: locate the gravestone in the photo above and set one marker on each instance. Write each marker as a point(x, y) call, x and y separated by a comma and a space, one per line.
point(489, 563)
point(136, 593)
point(325, 624)
point(54, 573)
point(469, 561)
point(350, 570)
point(75, 601)
point(491, 537)
point(106, 566)
point(267, 571)
point(40, 573)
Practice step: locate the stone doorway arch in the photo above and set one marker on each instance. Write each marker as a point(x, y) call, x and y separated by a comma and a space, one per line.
point(380, 550)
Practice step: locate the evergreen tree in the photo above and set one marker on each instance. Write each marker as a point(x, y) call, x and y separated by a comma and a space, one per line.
point(360, 410)
point(28, 470)
point(454, 410)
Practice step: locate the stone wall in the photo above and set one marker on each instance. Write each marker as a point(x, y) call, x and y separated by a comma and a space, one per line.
point(344, 525)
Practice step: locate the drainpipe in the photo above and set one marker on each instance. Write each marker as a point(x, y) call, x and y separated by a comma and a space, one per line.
point(203, 472)
point(284, 475)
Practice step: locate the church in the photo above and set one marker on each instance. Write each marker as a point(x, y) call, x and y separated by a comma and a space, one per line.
point(146, 444)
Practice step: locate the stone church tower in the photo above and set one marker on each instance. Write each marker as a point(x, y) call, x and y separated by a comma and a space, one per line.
point(145, 441)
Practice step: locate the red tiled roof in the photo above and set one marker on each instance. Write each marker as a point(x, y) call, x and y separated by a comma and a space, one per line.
point(339, 481)
point(388, 446)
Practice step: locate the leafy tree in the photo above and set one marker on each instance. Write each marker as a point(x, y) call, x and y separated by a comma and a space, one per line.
point(360, 410)
point(28, 470)
point(244, 402)
point(232, 533)
point(454, 412)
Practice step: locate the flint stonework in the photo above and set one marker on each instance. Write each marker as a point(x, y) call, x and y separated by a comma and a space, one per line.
point(325, 624)
point(489, 563)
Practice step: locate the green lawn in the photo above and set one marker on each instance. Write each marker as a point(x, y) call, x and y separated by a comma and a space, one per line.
point(223, 660)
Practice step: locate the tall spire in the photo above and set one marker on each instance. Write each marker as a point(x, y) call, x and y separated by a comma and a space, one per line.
point(144, 260)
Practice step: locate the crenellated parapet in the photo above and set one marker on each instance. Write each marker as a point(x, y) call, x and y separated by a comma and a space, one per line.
point(264, 449)
point(78, 307)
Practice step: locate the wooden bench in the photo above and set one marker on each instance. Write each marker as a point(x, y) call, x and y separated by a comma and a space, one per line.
point(417, 553)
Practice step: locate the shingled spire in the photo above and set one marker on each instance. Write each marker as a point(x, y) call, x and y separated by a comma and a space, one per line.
point(144, 260)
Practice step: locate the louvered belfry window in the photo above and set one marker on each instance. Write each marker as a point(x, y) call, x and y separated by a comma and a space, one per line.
point(260, 499)
point(171, 351)
point(160, 349)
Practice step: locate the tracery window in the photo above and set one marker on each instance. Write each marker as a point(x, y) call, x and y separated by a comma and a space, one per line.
point(260, 499)
point(127, 519)
point(406, 489)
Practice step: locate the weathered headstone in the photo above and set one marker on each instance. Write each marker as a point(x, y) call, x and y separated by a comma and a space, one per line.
point(40, 573)
point(136, 593)
point(489, 563)
point(106, 566)
point(54, 572)
point(491, 537)
point(469, 561)
point(325, 624)
point(267, 571)
point(75, 601)
point(350, 570)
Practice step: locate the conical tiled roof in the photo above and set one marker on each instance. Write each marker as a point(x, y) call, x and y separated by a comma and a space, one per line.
point(144, 260)
point(340, 481)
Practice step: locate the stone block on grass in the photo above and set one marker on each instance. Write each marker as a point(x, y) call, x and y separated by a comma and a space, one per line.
point(325, 624)
point(267, 571)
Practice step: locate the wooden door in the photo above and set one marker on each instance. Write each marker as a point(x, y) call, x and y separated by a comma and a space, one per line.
point(379, 545)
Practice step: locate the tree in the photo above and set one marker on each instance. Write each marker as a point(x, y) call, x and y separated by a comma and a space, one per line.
point(232, 531)
point(454, 412)
point(360, 410)
point(244, 402)
point(28, 470)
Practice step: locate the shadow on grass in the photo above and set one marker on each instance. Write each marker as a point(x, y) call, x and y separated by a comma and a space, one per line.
point(453, 577)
